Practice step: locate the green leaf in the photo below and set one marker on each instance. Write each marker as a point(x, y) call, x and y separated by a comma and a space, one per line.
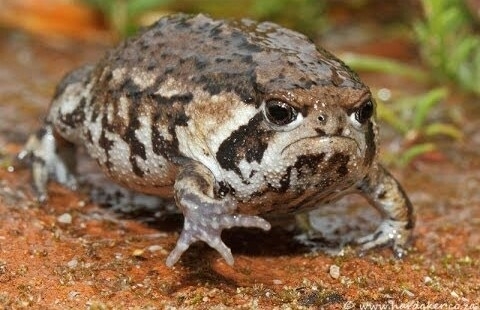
point(415, 151)
point(385, 65)
point(449, 43)
point(137, 7)
point(390, 117)
point(425, 104)
point(444, 129)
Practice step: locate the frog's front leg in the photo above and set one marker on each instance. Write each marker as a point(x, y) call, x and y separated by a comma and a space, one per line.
point(386, 194)
point(205, 215)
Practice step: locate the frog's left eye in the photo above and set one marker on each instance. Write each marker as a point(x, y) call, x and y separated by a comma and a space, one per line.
point(279, 113)
point(364, 112)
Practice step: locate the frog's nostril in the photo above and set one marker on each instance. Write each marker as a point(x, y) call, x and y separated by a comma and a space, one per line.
point(322, 118)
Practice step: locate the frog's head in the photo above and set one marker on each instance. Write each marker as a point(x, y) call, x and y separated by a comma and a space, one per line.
point(323, 139)
point(324, 136)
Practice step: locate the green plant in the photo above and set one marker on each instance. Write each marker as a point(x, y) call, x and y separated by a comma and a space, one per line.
point(306, 16)
point(121, 14)
point(384, 65)
point(410, 117)
point(449, 43)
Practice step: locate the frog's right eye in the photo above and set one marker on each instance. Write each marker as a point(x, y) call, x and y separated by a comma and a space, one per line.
point(279, 113)
point(364, 112)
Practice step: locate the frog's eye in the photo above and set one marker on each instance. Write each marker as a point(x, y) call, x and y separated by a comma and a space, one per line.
point(364, 112)
point(279, 113)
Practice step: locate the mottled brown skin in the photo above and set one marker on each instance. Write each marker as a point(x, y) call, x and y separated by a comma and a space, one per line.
point(233, 119)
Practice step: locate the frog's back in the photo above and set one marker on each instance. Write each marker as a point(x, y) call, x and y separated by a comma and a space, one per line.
point(239, 56)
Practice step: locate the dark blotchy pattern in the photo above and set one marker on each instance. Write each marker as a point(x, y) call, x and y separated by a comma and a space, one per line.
point(249, 141)
point(137, 147)
point(308, 164)
point(339, 162)
point(105, 143)
point(76, 117)
point(371, 145)
point(305, 164)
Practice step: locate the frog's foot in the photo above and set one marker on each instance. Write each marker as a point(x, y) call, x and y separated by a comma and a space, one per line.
point(393, 233)
point(49, 156)
point(205, 218)
point(381, 188)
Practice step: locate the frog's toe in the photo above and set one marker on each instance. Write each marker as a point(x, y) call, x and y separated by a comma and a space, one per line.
point(240, 220)
point(192, 233)
point(391, 233)
point(183, 243)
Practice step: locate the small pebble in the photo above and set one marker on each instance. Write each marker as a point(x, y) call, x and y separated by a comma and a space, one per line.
point(73, 294)
point(72, 264)
point(408, 293)
point(155, 248)
point(65, 218)
point(138, 252)
point(334, 271)
point(277, 282)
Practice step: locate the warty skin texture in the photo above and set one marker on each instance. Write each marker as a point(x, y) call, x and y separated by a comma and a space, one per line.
point(234, 119)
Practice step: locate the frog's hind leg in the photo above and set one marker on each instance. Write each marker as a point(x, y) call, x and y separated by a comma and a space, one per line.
point(386, 194)
point(50, 152)
point(50, 156)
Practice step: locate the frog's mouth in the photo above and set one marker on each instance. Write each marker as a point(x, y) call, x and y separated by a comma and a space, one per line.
point(327, 141)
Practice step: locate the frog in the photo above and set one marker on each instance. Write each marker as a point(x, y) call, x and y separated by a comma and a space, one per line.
point(236, 120)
